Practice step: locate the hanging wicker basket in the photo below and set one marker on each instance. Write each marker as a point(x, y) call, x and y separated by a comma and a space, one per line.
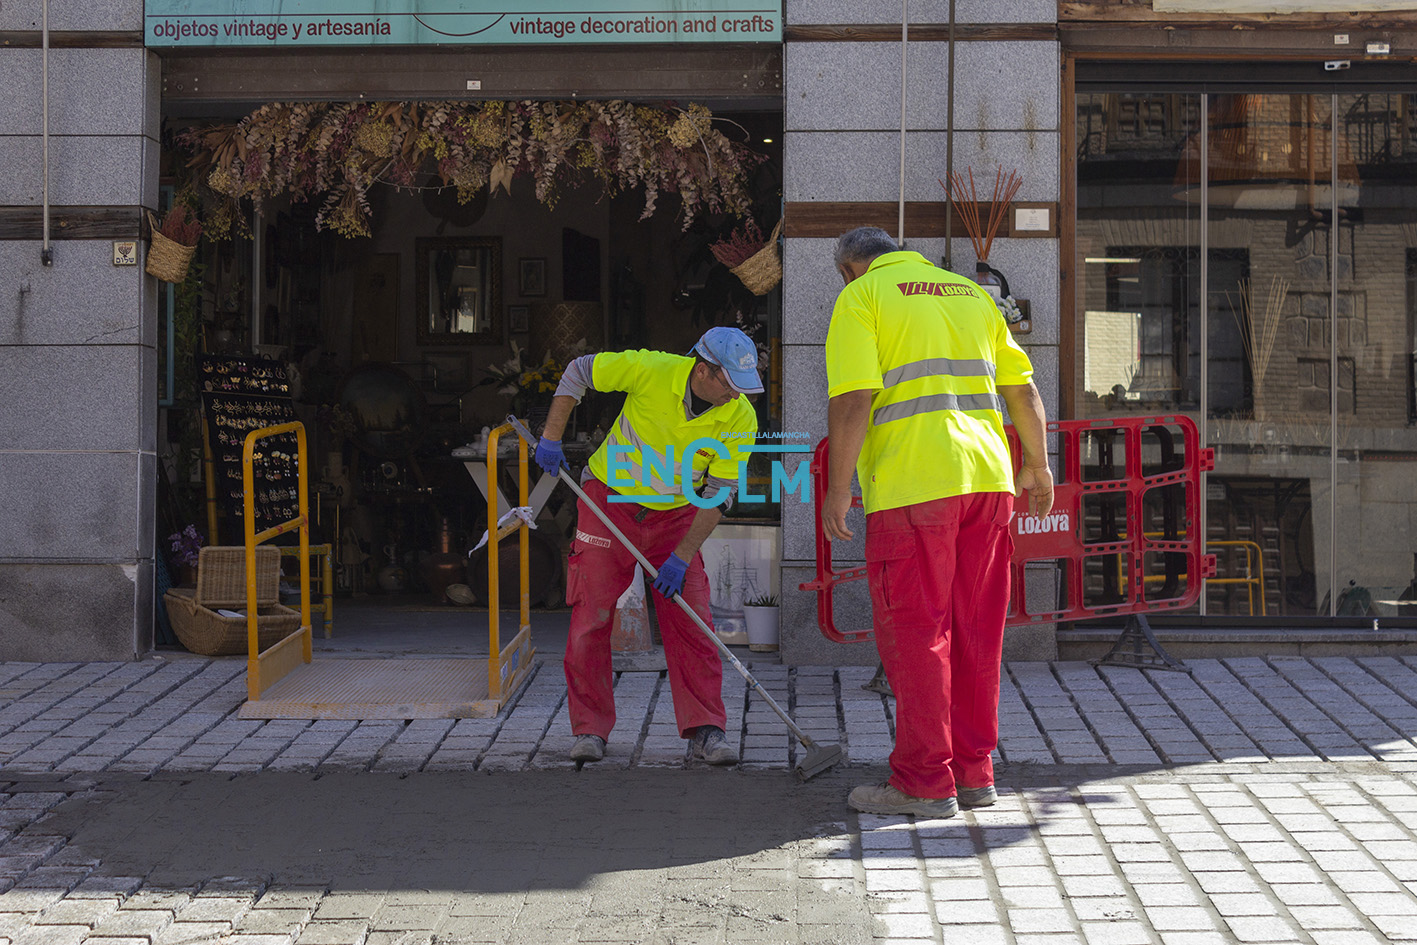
point(761, 272)
point(167, 259)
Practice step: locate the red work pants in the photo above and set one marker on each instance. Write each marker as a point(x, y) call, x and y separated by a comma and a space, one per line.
point(939, 576)
point(600, 570)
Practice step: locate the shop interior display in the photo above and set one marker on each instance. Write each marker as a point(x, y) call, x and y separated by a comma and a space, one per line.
point(399, 323)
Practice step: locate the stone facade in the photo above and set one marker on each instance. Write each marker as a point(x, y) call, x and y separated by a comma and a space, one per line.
point(77, 342)
point(842, 144)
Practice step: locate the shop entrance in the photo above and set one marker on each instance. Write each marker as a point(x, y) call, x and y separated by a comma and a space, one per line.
point(412, 313)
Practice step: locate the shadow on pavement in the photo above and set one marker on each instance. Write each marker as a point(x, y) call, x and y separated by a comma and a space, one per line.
point(457, 831)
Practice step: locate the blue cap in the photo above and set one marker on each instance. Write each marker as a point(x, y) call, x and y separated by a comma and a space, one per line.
point(735, 352)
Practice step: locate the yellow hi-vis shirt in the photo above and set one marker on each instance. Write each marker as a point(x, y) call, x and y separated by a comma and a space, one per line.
point(933, 347)
point(655, 420)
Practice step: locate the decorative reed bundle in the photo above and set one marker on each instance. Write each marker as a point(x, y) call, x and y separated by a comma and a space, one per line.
point(982, 235)
point(1259, 332)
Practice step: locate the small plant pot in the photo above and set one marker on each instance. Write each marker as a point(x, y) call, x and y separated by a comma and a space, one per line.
point(762, 628)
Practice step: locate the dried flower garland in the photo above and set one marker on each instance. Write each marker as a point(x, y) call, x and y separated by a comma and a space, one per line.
point(335, 152)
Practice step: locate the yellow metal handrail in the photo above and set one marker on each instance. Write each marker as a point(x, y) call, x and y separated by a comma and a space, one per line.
point(515, 659)
point(325, 553)
point(281, 657)
point(1250, 570)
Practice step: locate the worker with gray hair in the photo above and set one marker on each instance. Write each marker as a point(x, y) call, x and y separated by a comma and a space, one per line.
point(920, 365)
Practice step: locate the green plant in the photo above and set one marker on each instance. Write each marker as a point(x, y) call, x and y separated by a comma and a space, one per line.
point(764, 600)
point(184, 418)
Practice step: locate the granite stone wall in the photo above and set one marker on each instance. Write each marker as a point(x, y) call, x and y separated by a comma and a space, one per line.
point(841, 144)
point(77, 341)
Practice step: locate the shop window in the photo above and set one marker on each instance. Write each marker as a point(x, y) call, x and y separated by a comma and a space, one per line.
point(1144, 349)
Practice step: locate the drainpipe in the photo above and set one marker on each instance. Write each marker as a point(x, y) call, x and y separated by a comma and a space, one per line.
point(950, 139)
point(904, 45)
point(46, 254)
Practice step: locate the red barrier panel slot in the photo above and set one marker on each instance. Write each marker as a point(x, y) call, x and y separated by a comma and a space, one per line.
point(1123, 537)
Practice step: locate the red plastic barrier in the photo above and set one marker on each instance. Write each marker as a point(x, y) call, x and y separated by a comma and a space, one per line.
point(1123, 536)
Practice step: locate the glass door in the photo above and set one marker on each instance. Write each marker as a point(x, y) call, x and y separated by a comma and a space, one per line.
point(1372, 404)
point(1267, 198)
point(1250, 260)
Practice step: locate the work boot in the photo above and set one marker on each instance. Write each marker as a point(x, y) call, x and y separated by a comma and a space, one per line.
point(587, 748)
point(976, 796)
point(710, 744)
point(879, 682)
point(886, 799)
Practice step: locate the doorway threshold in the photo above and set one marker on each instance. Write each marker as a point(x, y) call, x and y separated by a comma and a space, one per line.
point(365, 689)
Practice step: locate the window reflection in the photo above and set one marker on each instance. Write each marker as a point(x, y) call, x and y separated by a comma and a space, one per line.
point(1300, 361)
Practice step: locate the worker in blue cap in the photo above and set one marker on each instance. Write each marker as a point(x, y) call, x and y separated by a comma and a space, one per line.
point(642, 479)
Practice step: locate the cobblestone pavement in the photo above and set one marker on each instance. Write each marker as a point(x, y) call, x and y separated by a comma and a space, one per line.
point(1257, 800)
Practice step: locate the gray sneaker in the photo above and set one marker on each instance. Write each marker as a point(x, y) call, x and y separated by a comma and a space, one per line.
point(976, 796)
point(587, 748)
point(710, 744)
point(887, 799)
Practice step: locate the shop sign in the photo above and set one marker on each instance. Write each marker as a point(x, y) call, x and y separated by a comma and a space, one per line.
point(304, 23)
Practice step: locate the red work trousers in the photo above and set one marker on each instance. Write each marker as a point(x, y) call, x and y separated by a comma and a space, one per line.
point(939, 576)
point(600, 570)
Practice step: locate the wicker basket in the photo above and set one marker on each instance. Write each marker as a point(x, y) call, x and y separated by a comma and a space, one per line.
point(761, 272)
point(167, 259)
point(221, 583)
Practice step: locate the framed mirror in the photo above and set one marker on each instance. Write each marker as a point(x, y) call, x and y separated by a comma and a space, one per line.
point(459, 283)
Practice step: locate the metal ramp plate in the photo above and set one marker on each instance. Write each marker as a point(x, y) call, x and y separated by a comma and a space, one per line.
point(380, 689)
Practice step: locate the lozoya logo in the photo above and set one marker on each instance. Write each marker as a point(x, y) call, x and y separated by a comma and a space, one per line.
point(1033, 525)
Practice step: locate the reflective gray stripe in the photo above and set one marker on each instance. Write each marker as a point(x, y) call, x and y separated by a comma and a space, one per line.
point(715, 485)
point(933, 367)
point(626, 435)
point(576, 379)
point(909, 408)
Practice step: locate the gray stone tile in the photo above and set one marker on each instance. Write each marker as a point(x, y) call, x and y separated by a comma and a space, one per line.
point(91, 92)
point(83, 171)
point(832, 12)
point(81, 299)
point(93, 398)
point(810, 285)
point(94, 518)
point(801, 641)
point(820, 96)
point(864, 165)
point(95, 15)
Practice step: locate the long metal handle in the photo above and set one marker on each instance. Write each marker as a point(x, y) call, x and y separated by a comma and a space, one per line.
point(565, 477)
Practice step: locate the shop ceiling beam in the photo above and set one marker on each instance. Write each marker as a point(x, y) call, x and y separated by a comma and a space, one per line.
point(922, 32)
point(1115, 41)
point(71, 39)
point(443, 73)
point(828, 220)
point(1143, 14)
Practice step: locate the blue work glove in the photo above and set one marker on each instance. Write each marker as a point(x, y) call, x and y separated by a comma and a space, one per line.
point(550, 456)
point(671, 576)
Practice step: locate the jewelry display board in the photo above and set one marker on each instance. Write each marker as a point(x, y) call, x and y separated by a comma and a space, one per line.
point(241, 394)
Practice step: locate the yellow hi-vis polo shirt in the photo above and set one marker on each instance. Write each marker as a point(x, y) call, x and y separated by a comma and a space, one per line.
point(655, 419)
point(933, 347)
